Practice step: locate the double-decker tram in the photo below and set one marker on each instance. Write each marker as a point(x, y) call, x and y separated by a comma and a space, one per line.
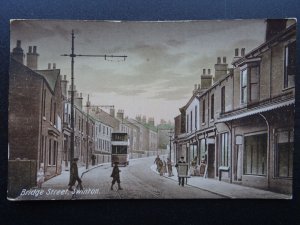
point(119, 148)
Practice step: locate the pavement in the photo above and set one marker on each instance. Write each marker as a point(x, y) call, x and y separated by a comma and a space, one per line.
point(225, 189)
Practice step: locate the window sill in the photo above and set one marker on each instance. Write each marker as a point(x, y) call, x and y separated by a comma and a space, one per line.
point(44, 118)
point(203, 124)
point(288, 88)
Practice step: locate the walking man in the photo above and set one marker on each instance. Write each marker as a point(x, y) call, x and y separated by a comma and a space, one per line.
point(156, 161)
point(74, 175)
point(116, 176)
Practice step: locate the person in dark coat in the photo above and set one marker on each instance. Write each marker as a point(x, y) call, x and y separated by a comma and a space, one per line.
point(74, 176)
point(180, 179)
point(116, 176)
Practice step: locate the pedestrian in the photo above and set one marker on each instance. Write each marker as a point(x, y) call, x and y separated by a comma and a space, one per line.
point(164, 167)
point(74, 176)
point(180, 179)
point(169, 165)
point(156, 161)
point(160, 167)
point(40, 177)
point(116, 176)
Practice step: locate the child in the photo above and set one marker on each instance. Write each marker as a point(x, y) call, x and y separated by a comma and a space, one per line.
point(116, 176)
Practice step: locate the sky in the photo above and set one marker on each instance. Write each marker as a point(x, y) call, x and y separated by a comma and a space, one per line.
point(164, 59)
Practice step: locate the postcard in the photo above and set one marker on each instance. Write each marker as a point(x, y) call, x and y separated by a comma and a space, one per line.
point(151, 110)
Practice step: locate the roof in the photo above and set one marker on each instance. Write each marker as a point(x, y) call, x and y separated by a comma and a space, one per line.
point(256, 110)
point(50, 76)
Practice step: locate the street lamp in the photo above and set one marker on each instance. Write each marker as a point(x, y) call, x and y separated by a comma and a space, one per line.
point(171, 135)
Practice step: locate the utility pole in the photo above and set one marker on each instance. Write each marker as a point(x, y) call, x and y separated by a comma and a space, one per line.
point(170, 135)
point(73, 55)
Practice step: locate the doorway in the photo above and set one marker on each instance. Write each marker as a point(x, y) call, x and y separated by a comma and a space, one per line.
point(211, 161)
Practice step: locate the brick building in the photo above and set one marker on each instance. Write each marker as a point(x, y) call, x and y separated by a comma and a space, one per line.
point(244, 128)
point(35, 112)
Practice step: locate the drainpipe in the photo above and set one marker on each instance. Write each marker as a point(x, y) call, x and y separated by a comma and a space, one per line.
point(270, 78)
point(268, 149)
point(230, 131)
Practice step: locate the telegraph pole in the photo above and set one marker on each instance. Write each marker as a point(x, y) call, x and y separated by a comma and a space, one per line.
point(73, 55)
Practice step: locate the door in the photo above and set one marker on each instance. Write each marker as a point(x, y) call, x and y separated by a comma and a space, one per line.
point(211, 161)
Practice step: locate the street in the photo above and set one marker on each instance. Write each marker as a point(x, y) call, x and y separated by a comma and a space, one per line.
point(137, 180)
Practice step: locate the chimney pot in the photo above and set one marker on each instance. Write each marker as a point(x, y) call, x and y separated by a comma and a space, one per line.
point(54, 65)
point(219, 60)
point(65, 77)
point(236, 52)
point(30, 49)
point(34, 49)
point(224, 60)
point(18, 43)
point(208, 71)
point(203, 71)
point(49, 66)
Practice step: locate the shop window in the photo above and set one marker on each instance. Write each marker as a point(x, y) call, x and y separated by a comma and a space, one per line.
point(290, 65)
point(255, 152)
point(225, 154)
point(284, 153)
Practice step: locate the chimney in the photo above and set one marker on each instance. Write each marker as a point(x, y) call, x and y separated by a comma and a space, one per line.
point(120, 114)
point(151, 121)
point(220, 69)
point(64, 85)
point(112, 112)
point(32, 58)
point(194, 91)
point(144, 120)
point(54, 66)
point(138, 118)
point(78, 100)
point(18, 53)
point(206, 80)
point(275, 26)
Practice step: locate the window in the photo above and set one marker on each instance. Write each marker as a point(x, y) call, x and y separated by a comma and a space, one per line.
point(244, 86)
point(250, 84)
point(44, 104)
point(223, 99)
point(290, 65)
point(52, 152)
point(254, 84)
point(255, 152)
point(54, 114)
point(225, 154)
point(284, 153)
point(187, 123)
point(212, 106)
point(191, 121)
point(196, 117)
point(51, 110)
point(203, 111)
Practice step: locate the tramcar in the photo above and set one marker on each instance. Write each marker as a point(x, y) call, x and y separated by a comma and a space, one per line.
point(119, 148)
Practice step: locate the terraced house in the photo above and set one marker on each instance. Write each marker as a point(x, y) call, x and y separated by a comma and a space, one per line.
point(241, 123)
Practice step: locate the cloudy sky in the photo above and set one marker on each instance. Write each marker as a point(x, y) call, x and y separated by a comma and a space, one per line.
point(165, 59)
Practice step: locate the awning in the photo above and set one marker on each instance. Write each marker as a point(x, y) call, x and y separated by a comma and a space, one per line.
point(256, 110)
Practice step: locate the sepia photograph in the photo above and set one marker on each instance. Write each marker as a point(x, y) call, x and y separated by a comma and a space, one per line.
point(198, 109)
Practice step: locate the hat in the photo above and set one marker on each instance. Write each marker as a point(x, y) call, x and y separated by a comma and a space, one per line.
point(182, 157)
point(116, 162)
point(75, 159)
